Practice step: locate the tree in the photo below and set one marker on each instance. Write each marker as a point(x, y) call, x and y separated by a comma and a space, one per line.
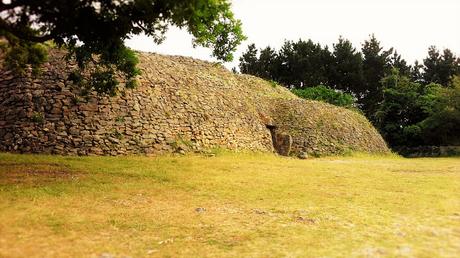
point(297, 64)
point(431, 65)
point(442, 126)
point(346, 71)
point(376, 65)
point(398, 62)
point(404, 106)
point(249, 60)
point(440, 68)
point(416, 72)
point(267, 64)
point(303, 64)
point(263, 65)
point(93, 31)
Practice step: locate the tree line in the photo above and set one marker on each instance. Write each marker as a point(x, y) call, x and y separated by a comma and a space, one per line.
point(411, 105)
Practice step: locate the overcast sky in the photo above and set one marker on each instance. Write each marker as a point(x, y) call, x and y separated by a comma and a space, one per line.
point(410, 26)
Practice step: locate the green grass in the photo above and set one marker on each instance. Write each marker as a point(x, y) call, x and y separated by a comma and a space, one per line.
point(251, 205)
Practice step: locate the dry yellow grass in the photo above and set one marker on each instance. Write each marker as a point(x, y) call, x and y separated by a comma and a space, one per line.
point(231, 205)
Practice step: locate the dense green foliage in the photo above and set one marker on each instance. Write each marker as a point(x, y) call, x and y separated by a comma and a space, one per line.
point(440, 68)
point(323, 93)
point(442, 126)
point(410, 104)
point(296, 64)
point(376, 63)
point(94, 31)
point(405, 104)
point(413, 114)
point(347, 69)
point(34, 54)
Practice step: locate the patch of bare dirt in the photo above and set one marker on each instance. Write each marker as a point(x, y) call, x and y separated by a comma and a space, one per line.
point(31, 174)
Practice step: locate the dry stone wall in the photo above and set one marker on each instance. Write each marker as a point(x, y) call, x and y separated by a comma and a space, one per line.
point(319, 128)
point(170, 111)
point(180, 105)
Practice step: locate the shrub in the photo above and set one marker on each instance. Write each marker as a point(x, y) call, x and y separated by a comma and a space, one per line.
point(38, 118)
point(326, 94)
point(20, 54)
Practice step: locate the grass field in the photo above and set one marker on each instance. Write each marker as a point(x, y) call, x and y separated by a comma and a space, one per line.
point(230, 205)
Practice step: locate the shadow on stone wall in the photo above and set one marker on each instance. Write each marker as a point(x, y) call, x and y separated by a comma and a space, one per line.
point(282, 143)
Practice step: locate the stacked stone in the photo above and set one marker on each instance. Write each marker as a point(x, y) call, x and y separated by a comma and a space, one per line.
point(319, 128)
point(180, 105)
point(168, 112)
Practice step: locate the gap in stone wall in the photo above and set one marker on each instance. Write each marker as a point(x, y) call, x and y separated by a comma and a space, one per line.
point(282, 143)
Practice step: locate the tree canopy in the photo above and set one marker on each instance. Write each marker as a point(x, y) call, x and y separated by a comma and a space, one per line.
point(440, 68)
point(93, 31)
point(414, 114)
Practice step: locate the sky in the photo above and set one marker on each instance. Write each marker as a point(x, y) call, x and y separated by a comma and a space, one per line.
point(410, 26)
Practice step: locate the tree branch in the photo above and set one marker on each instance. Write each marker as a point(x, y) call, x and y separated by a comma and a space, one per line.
point(24, 35)
point(139, 24)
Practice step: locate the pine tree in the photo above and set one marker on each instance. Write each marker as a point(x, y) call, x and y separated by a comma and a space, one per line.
point(267, 64)
point(440, 68)
point(346, 71)
point(416, 74)
point(376, 65)
point(249, 60)
point(431, 66)
point(398, 62)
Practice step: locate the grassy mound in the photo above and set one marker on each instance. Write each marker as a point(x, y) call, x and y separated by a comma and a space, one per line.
point(320, 128)
point(317, 128)
point(181, 104)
